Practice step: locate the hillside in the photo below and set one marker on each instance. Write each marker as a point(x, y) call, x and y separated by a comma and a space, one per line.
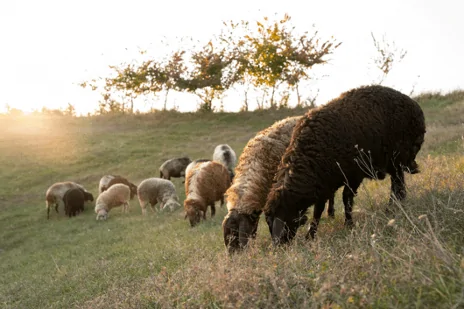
point(159, 261)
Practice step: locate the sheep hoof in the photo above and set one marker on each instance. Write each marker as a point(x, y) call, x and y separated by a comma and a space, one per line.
point(349, 223)
point(311, 234)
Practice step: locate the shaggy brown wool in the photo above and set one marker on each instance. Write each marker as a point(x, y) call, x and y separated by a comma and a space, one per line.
point(206, 183)
point(372, 124)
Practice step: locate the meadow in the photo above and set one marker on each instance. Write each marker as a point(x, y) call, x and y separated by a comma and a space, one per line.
point(413, 258)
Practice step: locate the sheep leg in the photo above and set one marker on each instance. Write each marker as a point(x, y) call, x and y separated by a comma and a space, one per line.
point(331, 208)
point(398, 188)
point(222, 200)
point(349, 192)
point(48, 212)
point(125, 208)
point(213, 209)
point(318, 210)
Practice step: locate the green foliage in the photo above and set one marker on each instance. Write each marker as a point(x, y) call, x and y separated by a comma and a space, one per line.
point(272, 54)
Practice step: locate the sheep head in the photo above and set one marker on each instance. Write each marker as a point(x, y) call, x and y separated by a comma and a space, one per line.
point(88, 196)
point(171, 205)
point(238, 228)
point(193, 211)
point(133, 190)
point(285, 213)
point(102, 214)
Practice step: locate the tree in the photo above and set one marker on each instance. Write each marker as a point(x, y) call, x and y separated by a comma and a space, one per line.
point(272, 54)
point(387, 55)
point(210, 75)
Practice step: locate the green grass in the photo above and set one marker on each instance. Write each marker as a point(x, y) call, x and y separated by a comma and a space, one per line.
point(158, 261)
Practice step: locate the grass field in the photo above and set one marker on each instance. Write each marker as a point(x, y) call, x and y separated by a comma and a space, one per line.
point(414, 258)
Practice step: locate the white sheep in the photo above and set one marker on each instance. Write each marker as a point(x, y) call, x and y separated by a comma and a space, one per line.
point(154, 190)
point(116, 195)
point(55, 193)
point(225, 155)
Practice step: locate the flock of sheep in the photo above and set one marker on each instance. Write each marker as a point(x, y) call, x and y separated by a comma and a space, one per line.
point(367, 132)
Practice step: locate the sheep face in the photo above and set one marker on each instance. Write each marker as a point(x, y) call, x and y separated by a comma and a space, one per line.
point(171, 205)
point(102, 215)
point(284, 223)
point(88, 196)
point(133, 190)
point(238, 229)
point(193, 212)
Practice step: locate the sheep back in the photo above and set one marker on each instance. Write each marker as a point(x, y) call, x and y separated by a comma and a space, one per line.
point(193, 163)
point(225, 155)
point(372, 123)
point(174, 168)
point(121, 180)
point(74, 201)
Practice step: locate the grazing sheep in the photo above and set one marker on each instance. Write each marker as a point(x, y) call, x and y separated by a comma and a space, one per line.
point(206, 183)
point(74, 201)
point(103, 185)
point(55, 194)
point(116, 195)
point(255, 171)
point(224, 154)
point(121, 180)
point(193, 163)
point(174, 168)
point(154, 190)
point(365, 133)
point(108, 180)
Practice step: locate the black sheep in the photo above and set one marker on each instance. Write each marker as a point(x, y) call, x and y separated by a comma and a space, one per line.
point(365, 133)
point(74, 201)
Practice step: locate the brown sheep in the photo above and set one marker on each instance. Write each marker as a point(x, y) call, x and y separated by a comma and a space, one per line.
point(365, 133)
point(206, 183)
point(121, 180)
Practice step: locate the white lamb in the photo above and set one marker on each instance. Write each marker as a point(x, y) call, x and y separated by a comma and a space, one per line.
point(116, 195)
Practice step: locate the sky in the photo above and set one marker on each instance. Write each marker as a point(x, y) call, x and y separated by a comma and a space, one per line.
point(48, 47)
